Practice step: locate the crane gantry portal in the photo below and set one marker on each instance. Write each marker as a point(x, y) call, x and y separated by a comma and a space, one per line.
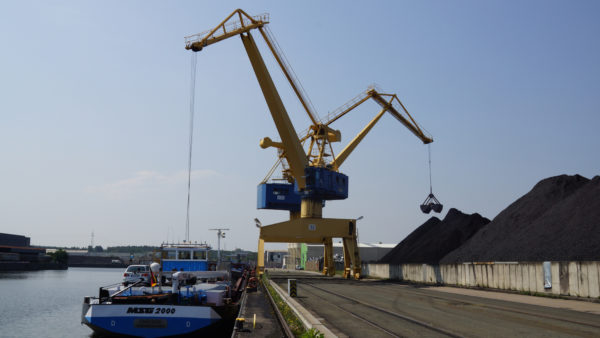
point(311, 178)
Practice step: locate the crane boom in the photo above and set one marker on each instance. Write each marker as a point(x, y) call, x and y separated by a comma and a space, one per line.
point(294, 153)
point(287, 71)
point(225, 30)
point(245, 24)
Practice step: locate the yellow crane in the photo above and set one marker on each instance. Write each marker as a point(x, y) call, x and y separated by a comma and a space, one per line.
point(311, 179)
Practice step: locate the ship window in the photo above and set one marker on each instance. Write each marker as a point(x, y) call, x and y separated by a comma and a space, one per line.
point(200, 254)
point(184, 255)
point(171, 254)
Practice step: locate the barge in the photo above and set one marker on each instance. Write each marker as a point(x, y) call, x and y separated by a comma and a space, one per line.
point(184, 298)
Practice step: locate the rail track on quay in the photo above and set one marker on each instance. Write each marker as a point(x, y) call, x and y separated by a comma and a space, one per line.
point(373, 324)
point(376, 308)
point(595, 325)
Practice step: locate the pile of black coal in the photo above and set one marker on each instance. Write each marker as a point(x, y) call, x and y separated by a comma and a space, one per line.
point(434, 239)
point(558, 220)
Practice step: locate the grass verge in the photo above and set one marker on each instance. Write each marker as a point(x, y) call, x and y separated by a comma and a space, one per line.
point(539, 294)
point(288, 314)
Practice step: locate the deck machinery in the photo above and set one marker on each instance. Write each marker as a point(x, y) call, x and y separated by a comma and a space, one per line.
point(310, 177)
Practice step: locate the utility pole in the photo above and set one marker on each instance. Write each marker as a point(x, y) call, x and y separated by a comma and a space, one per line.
point(220, 234)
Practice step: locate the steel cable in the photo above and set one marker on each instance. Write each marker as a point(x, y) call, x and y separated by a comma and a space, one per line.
point(192, 109)
point(430, 186)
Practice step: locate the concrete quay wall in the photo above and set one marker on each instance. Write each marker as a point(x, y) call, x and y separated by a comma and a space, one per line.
point(578, 279)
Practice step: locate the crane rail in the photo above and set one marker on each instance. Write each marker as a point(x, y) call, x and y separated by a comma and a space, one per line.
point(393, 314)
point(512, 310)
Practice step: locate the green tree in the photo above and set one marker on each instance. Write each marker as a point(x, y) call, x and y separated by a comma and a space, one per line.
point(60, 256)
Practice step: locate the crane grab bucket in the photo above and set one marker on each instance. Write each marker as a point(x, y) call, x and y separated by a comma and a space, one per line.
point(431, 203)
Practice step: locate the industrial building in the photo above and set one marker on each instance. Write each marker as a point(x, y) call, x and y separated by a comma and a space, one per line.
point(299, 253)
point(14, 240)
point(275, 258)
point(17, 254)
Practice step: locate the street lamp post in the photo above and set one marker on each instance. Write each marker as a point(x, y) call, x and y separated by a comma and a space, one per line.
point(220, 234)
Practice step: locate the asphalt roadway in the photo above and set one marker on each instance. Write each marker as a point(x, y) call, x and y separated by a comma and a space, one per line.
point(374, 308)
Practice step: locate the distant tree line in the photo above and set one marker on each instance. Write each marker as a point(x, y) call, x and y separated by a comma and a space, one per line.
point(59, 256)
point(134, 249)
point(232, 255)
point(144, 249)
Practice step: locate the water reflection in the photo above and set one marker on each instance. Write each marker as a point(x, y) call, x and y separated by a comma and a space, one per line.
point(43, 274)
point(48, 303)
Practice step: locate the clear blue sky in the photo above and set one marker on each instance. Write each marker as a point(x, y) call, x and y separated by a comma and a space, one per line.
point(95, 95)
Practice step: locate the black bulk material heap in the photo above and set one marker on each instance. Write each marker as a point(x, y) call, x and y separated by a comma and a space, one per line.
point(434, 239)
point(558, 220)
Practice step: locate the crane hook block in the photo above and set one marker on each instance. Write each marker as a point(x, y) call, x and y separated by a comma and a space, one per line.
point(431, 203)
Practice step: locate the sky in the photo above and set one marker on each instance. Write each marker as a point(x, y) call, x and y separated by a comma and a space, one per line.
point(95, 97)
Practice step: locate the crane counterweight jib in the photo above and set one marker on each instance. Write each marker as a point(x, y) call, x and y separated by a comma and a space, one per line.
point(266, 142)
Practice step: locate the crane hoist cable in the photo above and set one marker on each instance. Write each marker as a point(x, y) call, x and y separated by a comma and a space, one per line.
point(192, 109)
point(431, 203)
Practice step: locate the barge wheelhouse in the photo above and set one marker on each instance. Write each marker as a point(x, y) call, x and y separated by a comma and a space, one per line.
point(184, 257)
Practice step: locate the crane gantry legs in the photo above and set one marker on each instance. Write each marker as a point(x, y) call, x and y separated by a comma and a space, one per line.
point(315, 231)
point(328, 263)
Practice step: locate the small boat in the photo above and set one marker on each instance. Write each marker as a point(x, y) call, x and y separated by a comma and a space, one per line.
point(185, 298)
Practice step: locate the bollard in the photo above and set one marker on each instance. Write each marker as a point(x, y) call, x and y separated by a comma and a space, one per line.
point(239, 324)
point(292, 290)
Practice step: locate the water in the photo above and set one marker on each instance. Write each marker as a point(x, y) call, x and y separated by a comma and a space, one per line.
point(48, 303)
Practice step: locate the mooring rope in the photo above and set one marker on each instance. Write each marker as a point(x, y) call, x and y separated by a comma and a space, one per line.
point(192, 109)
